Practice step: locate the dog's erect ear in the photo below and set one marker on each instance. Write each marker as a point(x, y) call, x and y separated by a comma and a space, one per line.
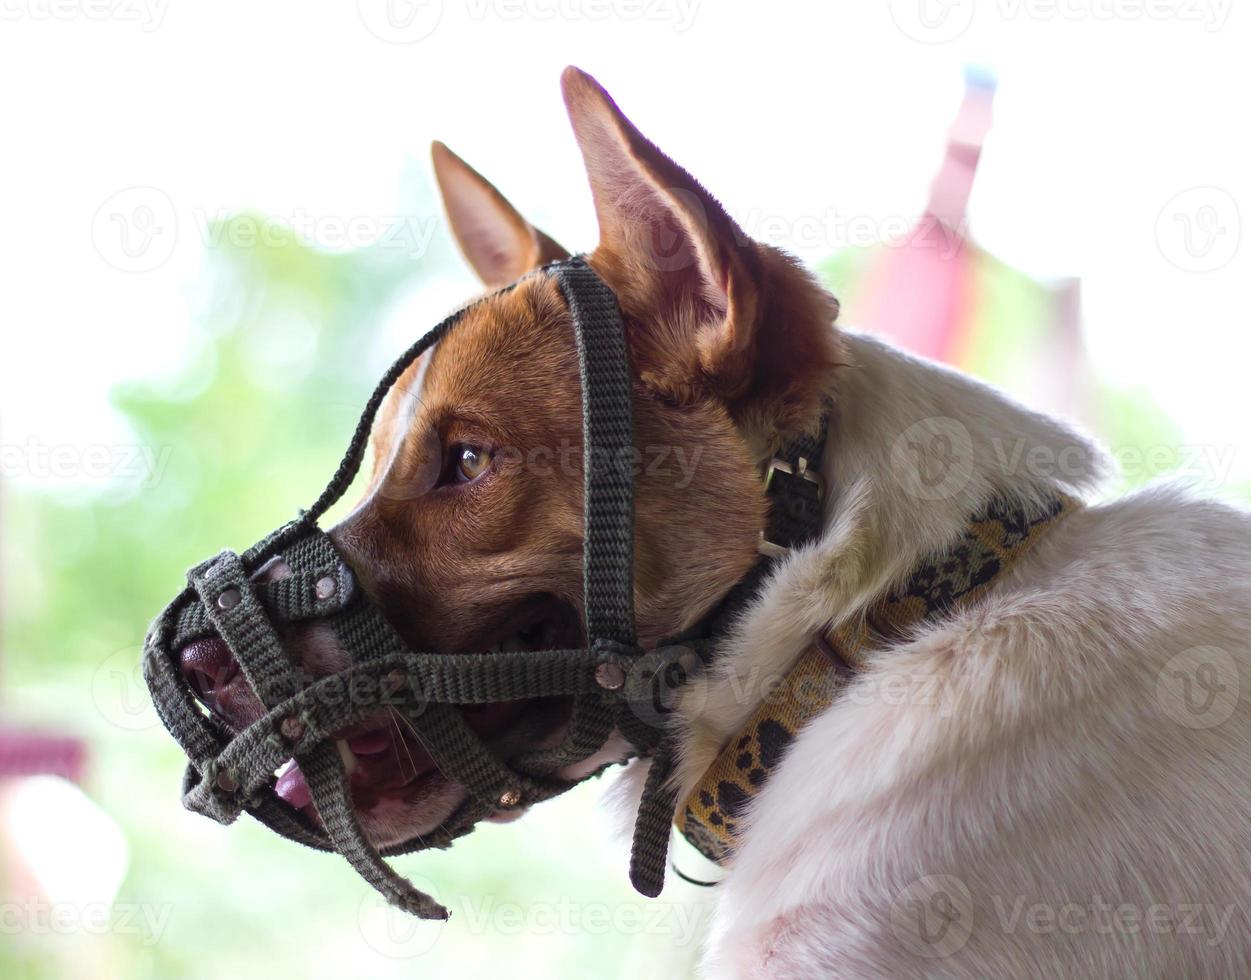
point(680, 260)
point(497, 241)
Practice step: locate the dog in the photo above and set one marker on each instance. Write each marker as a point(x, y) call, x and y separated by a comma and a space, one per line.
point(1053, 780)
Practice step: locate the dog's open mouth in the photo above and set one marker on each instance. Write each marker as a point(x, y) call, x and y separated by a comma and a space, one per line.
point(387, 761)
point(396, 784)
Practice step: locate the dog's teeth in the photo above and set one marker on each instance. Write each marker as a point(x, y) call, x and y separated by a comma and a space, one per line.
point(347, 755)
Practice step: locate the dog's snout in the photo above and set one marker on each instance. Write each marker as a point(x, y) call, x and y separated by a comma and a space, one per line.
point(209, 668)
point(273, 570)
point(214, 674)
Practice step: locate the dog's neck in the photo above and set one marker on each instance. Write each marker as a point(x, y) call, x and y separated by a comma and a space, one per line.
point(914, 449)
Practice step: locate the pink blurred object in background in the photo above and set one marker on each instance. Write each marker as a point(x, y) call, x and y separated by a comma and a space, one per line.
point(25, 753)
point(28, 753)
point(920, 294)
point(940, 295)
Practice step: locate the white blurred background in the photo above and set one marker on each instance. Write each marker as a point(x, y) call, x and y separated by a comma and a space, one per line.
point(812, 122)
point(135, 131)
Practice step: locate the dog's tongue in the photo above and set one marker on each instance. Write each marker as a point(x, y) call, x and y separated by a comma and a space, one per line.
point(374, 753)
point(291, 786)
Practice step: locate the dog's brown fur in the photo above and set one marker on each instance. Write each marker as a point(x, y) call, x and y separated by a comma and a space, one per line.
point(731, 349)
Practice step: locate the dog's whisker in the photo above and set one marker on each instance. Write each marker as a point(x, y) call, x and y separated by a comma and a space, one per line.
point(421, 741)
point(399, 740)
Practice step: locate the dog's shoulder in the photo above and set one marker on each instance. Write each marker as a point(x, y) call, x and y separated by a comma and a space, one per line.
point(1019, 754)
point(1164, 554)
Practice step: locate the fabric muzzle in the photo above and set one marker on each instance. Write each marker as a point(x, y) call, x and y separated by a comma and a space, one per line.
point(612, 684)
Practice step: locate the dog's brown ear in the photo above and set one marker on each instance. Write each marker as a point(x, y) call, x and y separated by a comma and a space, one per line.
point(495, 239)
point(691, 275)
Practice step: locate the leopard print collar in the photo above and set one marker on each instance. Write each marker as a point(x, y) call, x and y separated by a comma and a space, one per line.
point(946, 580)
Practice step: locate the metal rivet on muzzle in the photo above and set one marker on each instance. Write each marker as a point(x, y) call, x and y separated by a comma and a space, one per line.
point(292, 729)
point(510, 797)
point(228, 599)
point(226, 782)
point(610, 677)
point(325, 587)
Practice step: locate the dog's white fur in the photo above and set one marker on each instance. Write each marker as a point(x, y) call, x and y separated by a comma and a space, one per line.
point(1017, 766)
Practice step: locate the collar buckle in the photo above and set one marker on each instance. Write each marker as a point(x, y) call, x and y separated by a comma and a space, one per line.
point(795, 491)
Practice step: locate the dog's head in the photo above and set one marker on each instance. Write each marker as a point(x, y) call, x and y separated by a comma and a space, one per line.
point(470, 533)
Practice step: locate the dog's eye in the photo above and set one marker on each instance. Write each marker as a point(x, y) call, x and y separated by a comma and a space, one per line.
point(470, 463)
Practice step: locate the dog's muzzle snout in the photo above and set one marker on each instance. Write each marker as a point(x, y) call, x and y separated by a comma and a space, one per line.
point(211, 669)
point(228, 627)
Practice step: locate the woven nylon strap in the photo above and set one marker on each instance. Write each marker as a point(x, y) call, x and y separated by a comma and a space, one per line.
point(794, 489)
point(232, 772)
point(247, 629)
point(608, 453)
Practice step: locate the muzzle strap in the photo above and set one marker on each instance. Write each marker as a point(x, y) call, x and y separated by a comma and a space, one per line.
point(231, 772)
point(650, 846)
point(608, 453)
point(328, 785)
point(238, 617)
point(199, 738)
point(230, 784)
point(608, 514)
point(458, 750)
